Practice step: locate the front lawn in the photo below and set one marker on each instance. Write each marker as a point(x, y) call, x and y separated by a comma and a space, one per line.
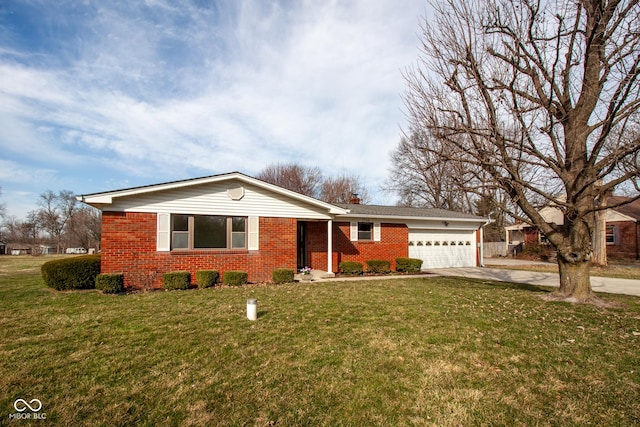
point(434, 351)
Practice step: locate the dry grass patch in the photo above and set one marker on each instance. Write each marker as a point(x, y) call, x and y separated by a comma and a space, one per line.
point(620, 271)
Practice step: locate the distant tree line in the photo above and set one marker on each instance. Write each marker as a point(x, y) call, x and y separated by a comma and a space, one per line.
point(60, 222)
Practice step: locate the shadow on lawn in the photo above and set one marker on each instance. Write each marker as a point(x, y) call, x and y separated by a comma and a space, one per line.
point(509, 285)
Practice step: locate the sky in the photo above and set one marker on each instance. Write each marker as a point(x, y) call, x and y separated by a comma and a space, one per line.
point(102, 95)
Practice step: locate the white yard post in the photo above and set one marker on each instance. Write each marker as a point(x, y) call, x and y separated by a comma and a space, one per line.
point(252, 309)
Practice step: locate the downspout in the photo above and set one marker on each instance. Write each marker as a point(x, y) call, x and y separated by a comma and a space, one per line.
point(637, 252)
point(481, 246)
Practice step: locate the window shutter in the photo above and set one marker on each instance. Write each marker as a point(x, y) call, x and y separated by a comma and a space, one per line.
point(376, 232)
point(253, 241)
point(163, 240)
point(354, 232)
point(616, 233)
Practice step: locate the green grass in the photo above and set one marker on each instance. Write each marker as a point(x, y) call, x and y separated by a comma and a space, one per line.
point(434, 352)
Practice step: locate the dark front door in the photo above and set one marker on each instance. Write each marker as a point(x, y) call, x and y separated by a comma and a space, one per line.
point(302, 244)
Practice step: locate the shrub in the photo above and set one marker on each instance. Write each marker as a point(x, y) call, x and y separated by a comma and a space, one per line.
point(176, 280)
point(235, 278)
point(535, 251)
point(282, 275)
point(207, 278)
point(378, 266)
point(110, 283)
point(408, 265)
point(351, 267)
point(71, 273)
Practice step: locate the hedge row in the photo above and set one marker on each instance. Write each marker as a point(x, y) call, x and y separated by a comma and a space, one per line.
point(180, 280)
point(83, 272)
point(379, 266)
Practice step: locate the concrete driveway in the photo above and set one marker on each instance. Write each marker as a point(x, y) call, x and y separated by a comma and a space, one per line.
point(599, 284)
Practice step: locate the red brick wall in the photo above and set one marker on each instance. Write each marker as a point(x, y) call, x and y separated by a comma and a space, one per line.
point(627, 246)
point(393, 243)
point(129, 247)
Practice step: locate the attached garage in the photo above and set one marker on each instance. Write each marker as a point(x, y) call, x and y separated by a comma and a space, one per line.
point(440, 249)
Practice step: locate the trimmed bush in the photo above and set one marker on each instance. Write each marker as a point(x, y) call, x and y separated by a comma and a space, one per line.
point(408, 265)
point(235, 278)
point(207, 278)
point(176, 280)
point(282, 275)
point(351, 267)
point(380, 266)
point(110, 283)
point(71, 273)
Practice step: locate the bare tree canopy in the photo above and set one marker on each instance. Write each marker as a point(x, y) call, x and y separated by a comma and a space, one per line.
point(541, 100)
point(302, 179)
point(311, 182)
point(3, 207)
point(343, 189)
point(422, 177)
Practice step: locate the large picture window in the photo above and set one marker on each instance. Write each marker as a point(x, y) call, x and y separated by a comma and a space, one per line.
point(208, 232)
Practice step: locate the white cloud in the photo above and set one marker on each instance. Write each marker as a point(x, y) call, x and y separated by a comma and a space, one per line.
point(159, 92)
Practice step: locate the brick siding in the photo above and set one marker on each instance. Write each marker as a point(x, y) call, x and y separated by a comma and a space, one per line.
point(129, 247)
point(627, 246)
point(393, 244)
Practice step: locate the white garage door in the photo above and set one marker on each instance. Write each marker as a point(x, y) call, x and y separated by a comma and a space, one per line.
point(455, 248)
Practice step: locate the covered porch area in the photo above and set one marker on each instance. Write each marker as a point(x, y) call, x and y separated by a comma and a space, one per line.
point(315, 243)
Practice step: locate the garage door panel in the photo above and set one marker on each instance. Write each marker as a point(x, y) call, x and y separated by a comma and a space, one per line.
point(443, 250)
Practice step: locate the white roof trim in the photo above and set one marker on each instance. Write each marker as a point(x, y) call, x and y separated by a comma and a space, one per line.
point(107, 197)
point(414, 218)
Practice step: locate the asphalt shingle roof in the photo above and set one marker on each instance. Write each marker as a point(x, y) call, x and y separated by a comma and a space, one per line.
point(357, 209)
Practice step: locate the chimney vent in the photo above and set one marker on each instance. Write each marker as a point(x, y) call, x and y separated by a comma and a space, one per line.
point(354, 200)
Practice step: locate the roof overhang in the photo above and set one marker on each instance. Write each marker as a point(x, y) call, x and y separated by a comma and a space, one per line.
point(100, 200)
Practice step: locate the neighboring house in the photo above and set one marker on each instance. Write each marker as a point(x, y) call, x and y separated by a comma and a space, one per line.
point(19, 250)
point(622, 228)
point(47, 250)
point(236, 222)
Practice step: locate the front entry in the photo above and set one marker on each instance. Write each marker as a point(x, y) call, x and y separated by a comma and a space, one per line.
point(302, 245)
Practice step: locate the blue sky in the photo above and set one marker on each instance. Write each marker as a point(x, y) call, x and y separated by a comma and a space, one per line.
point(101, 95)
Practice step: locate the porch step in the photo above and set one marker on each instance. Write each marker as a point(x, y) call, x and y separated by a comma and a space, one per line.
point(315, 275)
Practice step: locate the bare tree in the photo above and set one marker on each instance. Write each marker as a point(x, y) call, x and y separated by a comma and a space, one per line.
point(543, 98)
point(421, 176)
point(3, 208)
point(56, 210)
point(311, 182)
point(23, 232)
point(302, 179)
point(343, 189)
point(83, 228)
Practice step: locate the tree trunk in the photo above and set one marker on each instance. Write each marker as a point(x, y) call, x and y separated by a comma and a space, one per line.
point(575, 284)
point(600, 239)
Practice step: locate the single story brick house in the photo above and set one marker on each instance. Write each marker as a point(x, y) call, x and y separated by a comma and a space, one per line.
point(235, 222)
point(622, 228)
